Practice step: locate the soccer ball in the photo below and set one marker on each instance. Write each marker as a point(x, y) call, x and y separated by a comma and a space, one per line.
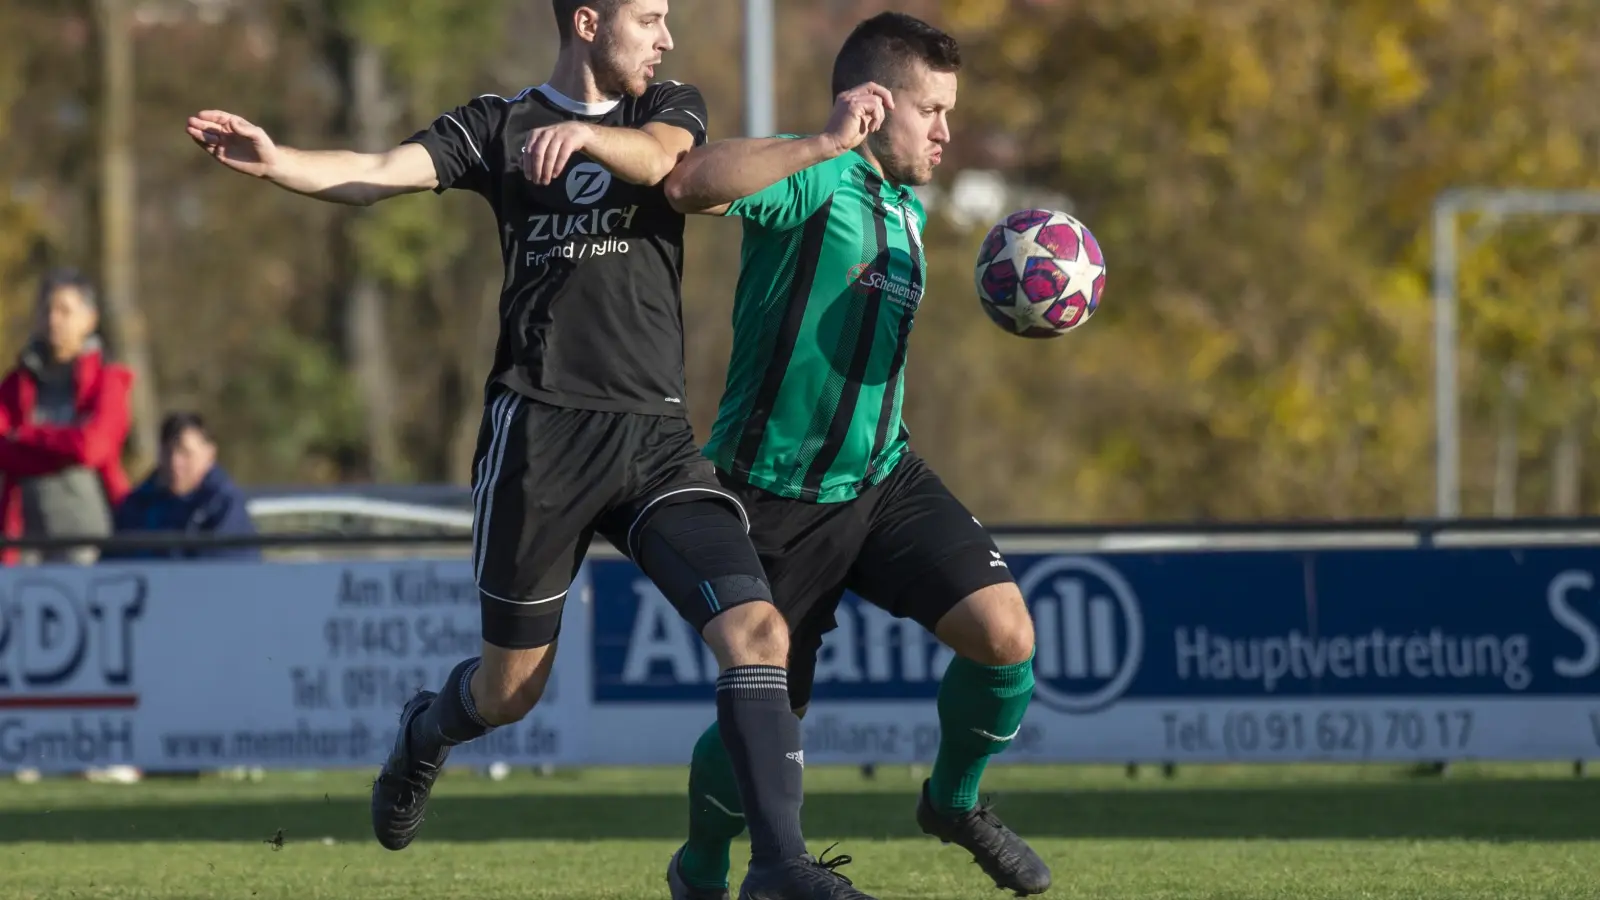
point(1040, 273)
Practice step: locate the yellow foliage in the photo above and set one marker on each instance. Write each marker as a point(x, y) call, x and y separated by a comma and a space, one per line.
point(21, 227)
point(1400, 80)
point(1261, 176)
point(975, 17)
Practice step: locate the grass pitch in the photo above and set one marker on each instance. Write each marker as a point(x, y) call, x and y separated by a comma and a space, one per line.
point(1273, 833)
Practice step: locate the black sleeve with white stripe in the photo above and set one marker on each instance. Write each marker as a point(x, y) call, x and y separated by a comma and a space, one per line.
point(674, 103)
point(465, 145)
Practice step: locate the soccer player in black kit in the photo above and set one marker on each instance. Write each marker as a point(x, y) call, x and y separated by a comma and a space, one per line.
point(584, 428)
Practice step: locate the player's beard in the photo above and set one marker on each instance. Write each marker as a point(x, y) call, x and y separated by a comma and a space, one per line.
point(611, 72)
point(898, 169)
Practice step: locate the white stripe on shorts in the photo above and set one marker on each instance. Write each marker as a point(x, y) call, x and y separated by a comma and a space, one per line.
point(503, 410)
point(538, 602)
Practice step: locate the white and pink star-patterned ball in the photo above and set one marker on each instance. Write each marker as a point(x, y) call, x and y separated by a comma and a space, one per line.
point(1040, 273)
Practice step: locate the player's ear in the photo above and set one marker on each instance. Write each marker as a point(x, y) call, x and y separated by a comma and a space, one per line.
point(586, 23)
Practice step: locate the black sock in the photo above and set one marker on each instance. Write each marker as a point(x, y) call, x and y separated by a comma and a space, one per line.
point(763, 739)
point(452, 718)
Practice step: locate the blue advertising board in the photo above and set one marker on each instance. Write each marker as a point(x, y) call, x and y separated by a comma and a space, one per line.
point(1510, 633)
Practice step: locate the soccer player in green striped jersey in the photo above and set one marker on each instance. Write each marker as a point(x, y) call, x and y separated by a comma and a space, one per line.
point(809, 434)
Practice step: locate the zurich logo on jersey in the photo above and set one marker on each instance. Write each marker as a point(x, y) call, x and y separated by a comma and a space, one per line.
point(1089, 633)
point(587, 183)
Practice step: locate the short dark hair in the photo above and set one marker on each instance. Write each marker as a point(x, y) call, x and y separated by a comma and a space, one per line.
point(176, 424)
point(883, 48)
point(56, 279)
point(566, 9)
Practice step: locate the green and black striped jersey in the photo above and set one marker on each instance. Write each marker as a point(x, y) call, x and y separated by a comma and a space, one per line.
point(830, 278)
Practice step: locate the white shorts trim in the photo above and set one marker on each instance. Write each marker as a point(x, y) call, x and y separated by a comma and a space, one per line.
point(522, 602)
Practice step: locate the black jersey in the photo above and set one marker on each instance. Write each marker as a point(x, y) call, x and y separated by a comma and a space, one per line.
point(591, 312)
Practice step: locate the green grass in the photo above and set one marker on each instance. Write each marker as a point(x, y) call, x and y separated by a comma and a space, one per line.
point(1340, 833)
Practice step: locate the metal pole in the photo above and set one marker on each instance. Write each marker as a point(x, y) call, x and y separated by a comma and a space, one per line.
point(759, 58)
point(1447, 436)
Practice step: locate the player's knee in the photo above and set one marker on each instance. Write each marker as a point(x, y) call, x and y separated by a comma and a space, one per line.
point(991, 627)
point(750, 634)
point(1009, 644)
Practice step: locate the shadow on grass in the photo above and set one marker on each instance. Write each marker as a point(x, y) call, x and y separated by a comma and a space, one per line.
point(1509, 810)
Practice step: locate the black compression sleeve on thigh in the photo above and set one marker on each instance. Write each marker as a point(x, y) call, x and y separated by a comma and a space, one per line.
point(701, 559)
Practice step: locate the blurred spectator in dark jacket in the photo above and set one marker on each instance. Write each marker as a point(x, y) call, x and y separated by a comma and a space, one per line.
point(189, 493)
point(63, 422)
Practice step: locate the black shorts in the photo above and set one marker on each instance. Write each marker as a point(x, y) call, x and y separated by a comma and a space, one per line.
point(906, 545)
point(546, 479)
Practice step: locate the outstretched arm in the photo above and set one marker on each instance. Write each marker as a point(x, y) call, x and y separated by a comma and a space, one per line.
point(337, 176)
point(355, 179)
point(712, 177)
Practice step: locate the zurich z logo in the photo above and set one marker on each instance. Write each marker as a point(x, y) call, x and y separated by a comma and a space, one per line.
point(587, 183)
point(1090, 633)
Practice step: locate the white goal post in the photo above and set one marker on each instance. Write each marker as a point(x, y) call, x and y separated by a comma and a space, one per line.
point(1448, 207)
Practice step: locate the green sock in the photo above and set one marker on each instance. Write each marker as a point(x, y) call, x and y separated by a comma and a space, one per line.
point(980, 710)
point(715, 814)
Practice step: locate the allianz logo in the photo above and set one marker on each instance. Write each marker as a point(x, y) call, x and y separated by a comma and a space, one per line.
point(1089, 633)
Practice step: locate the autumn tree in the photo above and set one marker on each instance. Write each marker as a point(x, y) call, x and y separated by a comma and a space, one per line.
point(1260, 175)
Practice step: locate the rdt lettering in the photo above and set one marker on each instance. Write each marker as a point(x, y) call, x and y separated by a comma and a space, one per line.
point(49, 635)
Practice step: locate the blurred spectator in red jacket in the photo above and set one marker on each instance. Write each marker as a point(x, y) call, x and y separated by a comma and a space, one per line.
point(63, 421)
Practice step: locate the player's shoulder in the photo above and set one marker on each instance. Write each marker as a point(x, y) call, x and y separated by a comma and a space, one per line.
point(511, 99)
point(667, 89)
point(541, 105)
point(670, 102)
point(488, 110)
point(500, 103)
point(829, 171)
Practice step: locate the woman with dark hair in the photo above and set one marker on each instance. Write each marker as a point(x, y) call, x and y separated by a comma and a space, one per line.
point(64, 417)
